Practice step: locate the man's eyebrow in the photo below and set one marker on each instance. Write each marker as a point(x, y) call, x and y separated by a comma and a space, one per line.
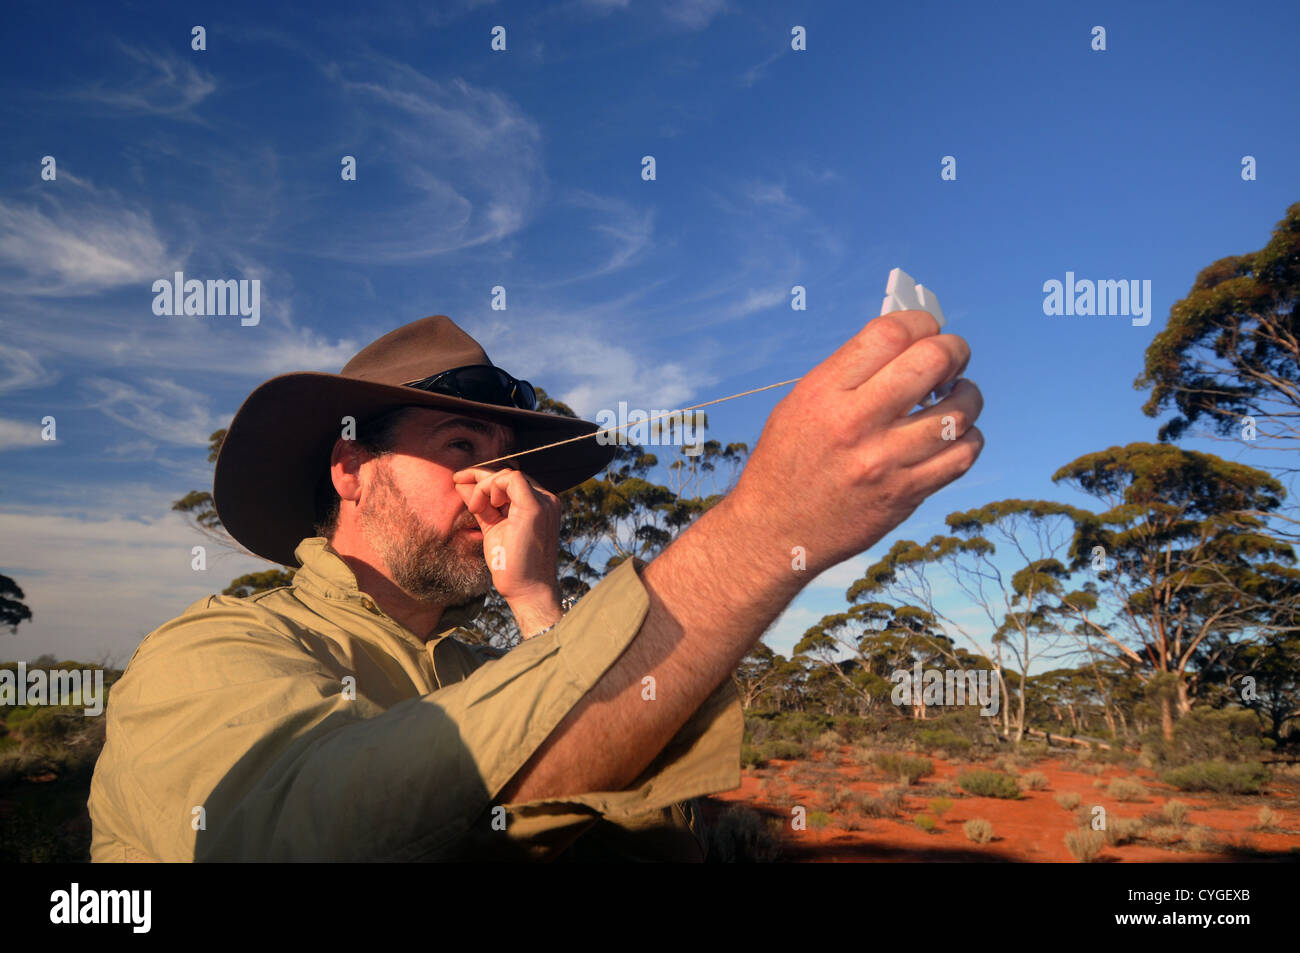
point(478, 426)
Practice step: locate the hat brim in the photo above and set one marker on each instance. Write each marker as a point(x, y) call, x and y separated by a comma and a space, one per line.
point(277, 448)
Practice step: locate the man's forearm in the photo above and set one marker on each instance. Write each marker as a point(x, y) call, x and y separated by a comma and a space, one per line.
point(712, 593)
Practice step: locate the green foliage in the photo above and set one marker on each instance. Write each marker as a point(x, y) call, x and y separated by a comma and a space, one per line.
point(740, 835)
point(933, 739)
point(940, 806)
point(927, 823)
point(818, 820)
point(780, 750)
point(751, 757)
point(828, 742)
point(1222, 777)
point(1230, 734)
point(989, 784)
point(906, 768)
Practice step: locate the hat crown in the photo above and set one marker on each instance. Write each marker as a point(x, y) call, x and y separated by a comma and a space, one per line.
point(415, 351)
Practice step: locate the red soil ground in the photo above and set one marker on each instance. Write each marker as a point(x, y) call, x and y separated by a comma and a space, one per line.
point(1026, 830)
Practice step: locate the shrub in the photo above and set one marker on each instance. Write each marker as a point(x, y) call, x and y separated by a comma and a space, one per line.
point(778, 749)
point(838, 798)
point(989, 784)
point(1218, 776)
point(927, 823)
point(1084, 845)
point(1210, 735)
point(818, 820)
point(739, 835)
point(906, 768)
point(940, 806)
point(945, 789)
point(1092, 768)
point(1200, 839)
point(876, 807)
point(932, 739)
point(861, 754)
point(1164, 834)
point(1175, 812)
point(828, 742)
point(751, 757)
point(1033, 750)
point(1069, 799)
point(1122, 830)
point(978, 830)
point(1035, 780)
point(800, 726)
point(1099, 783)
point(1122, 789)
point(1267, 819)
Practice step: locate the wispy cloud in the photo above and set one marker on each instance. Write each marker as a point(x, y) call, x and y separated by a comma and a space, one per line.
point(16, 434)
point(694, 14)
point(76, 240)
point(163, 409)
point(162, 84)
point(470, 158)
point(20, 369)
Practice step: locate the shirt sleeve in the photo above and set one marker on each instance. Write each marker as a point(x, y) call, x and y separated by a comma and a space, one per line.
point(229, 739)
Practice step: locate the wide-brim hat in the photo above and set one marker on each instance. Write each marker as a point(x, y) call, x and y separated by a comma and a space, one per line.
point(277, 449)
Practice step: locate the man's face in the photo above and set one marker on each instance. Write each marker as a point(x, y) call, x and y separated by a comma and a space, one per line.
point(413, 517)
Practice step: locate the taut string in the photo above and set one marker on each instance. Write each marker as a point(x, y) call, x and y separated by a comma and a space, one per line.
point(671, 413)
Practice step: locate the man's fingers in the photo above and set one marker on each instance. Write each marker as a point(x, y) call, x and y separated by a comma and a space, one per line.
point(880, 341)
point(942, 469)
point(909, 377)
point(928, 433)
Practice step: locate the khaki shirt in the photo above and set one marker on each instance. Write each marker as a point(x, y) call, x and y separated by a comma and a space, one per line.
point(304, 723)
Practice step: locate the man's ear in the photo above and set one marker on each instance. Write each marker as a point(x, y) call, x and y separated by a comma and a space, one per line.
point(345, 468)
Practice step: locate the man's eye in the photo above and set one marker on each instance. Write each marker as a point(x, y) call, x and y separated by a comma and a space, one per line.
point(467, 444)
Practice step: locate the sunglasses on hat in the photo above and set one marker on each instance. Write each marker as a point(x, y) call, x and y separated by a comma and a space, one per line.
point(483, 383)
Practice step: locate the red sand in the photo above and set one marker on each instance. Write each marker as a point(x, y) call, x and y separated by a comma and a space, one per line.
point(1030, 829)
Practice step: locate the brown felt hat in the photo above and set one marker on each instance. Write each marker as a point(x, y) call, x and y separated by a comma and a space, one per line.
point(277, 449)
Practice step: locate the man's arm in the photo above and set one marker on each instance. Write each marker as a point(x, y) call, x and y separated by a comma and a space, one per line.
point(840, 463)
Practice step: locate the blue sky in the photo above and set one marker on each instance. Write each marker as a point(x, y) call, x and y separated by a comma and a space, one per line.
point(522, 168)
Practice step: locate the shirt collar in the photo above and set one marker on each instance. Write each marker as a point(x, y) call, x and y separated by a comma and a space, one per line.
point(326, 572)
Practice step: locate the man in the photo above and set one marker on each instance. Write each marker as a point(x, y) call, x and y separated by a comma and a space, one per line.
point(340, 718)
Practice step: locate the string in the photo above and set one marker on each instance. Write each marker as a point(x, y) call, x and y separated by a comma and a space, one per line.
point(671, 413)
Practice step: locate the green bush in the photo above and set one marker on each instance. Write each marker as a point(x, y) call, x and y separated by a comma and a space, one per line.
point(940, 806)
point(927, 823)
point(906, 768)
point(751, 757)
point(781, 750)
point(739, 835)
point(800, 726)
point(931, 740)
point(818, 820)
point(1229, 734)
point(989, 784)
point(1218, 776)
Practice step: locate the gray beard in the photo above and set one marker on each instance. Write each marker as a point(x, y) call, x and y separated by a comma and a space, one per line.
point(437, 569)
